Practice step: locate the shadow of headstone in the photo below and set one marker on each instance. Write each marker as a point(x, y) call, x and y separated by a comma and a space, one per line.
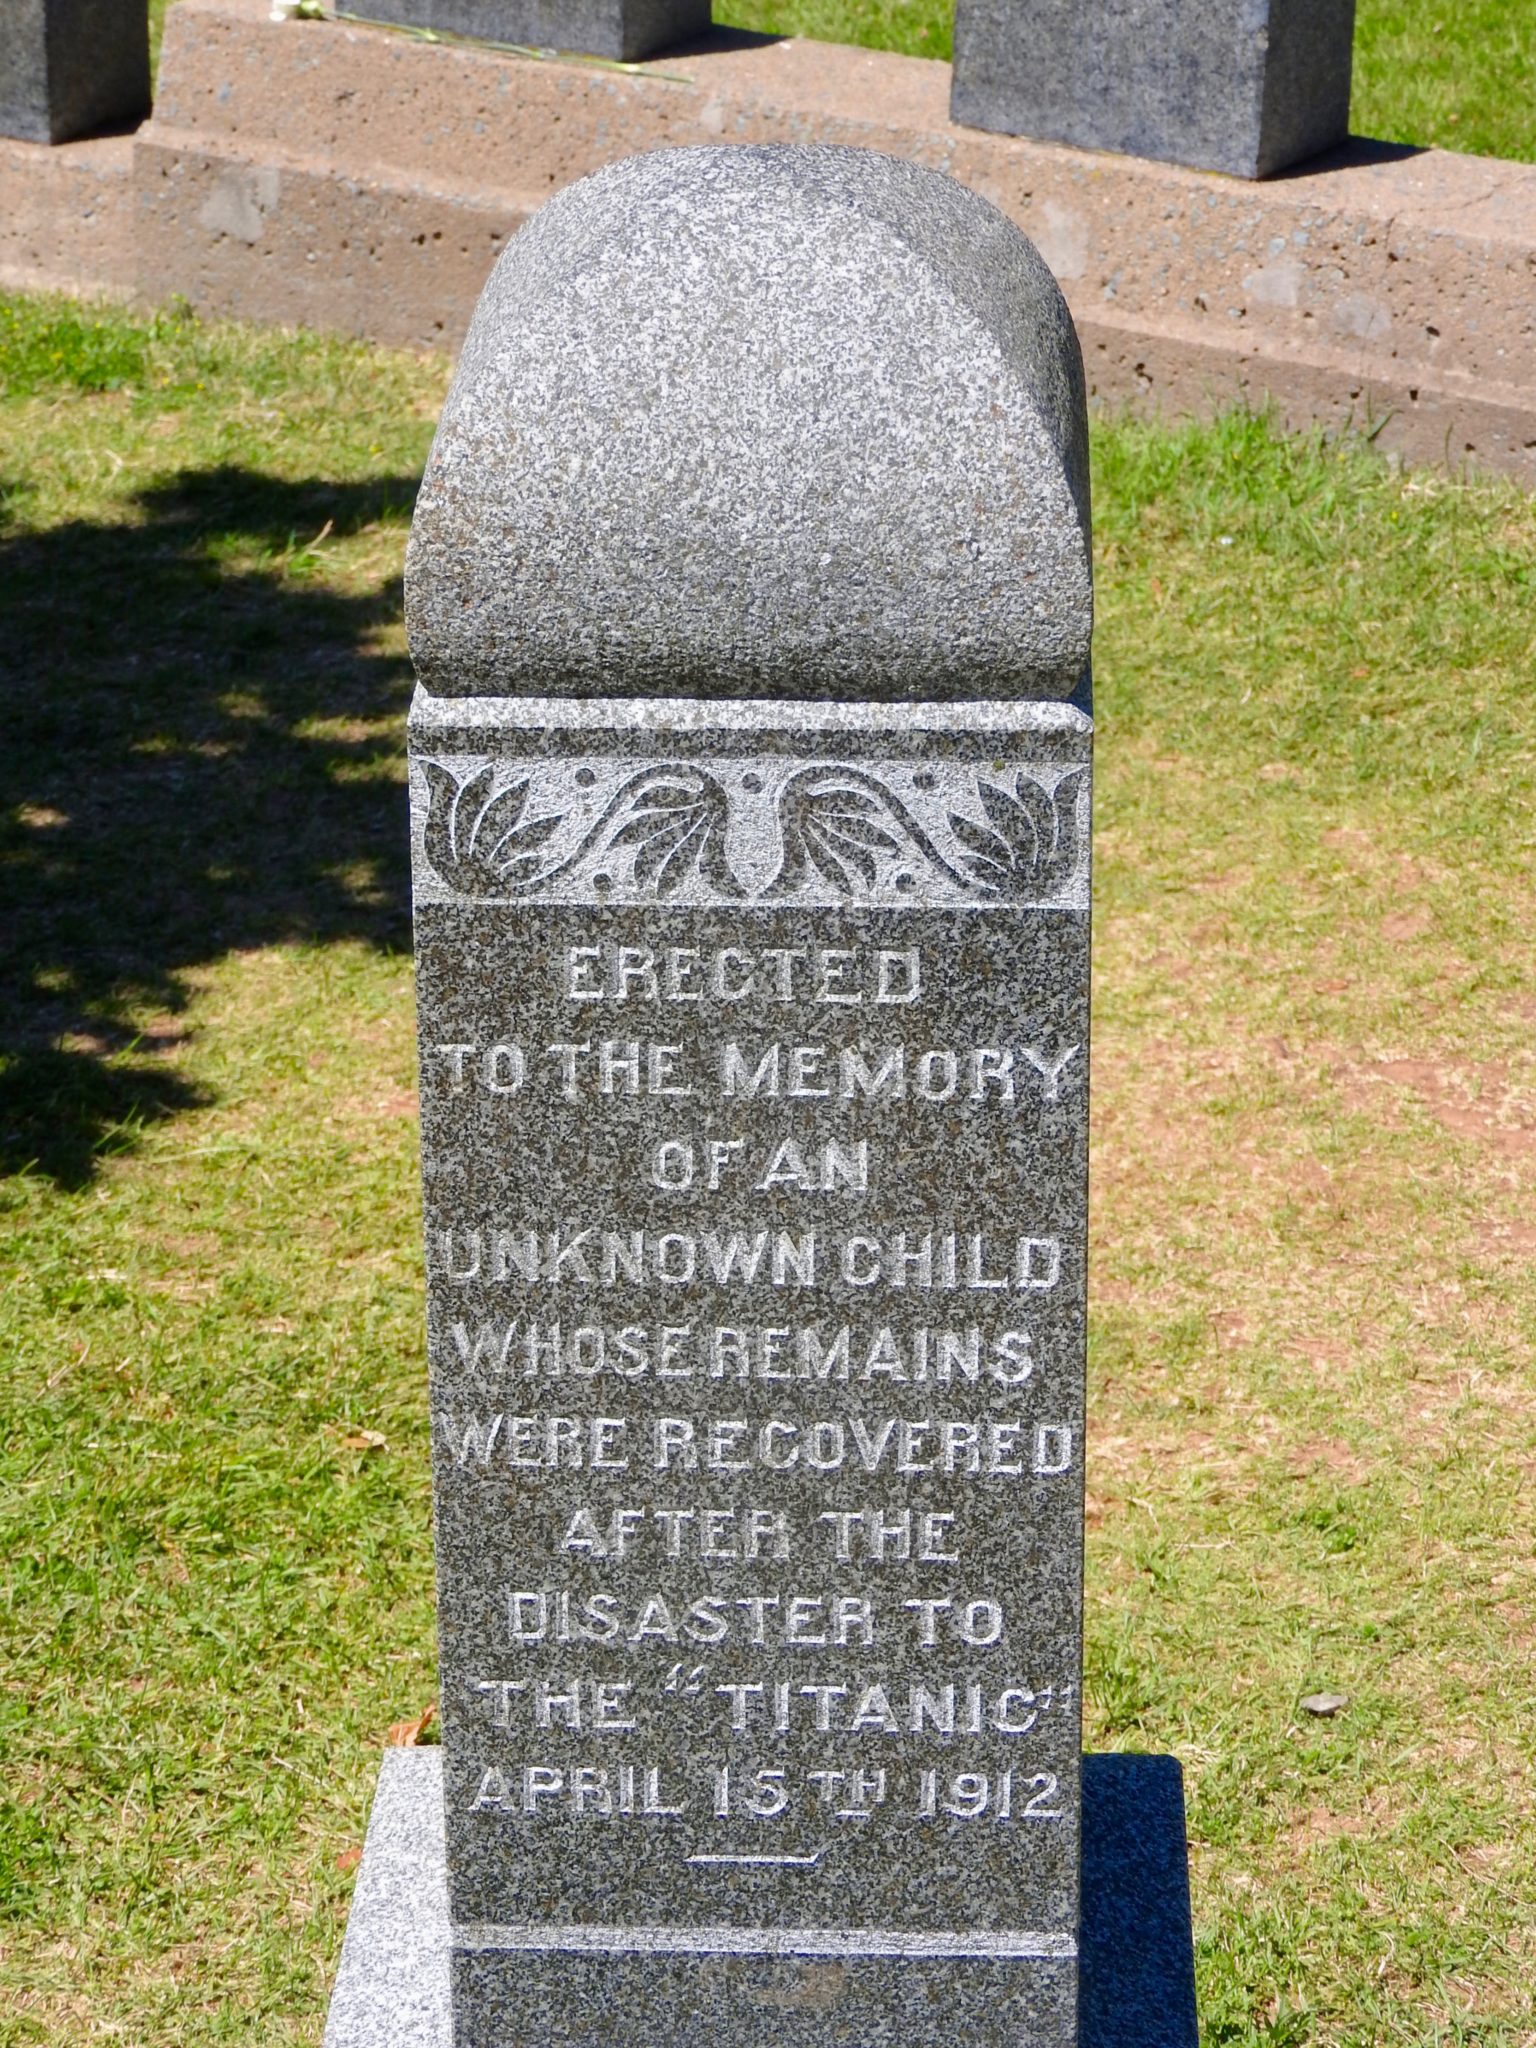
point(1136, 1984)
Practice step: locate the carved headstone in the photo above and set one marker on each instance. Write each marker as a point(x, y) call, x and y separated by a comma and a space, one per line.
point(749, 591)
point(617, 29)
point(1244, 86)
point(72, 67)
point(750, 596)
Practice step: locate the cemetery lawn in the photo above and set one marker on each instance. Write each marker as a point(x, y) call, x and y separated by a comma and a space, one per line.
point(1313, 1403)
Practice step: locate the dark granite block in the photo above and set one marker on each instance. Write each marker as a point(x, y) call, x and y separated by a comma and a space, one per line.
point(1244, 86)
point(1137, 1970)
point(72, 67)
point(624, 30)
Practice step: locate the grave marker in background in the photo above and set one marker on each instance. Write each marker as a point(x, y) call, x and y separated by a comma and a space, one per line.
point(617, 29)
point(1244, 86)
point(750, 597)
point(72, 67)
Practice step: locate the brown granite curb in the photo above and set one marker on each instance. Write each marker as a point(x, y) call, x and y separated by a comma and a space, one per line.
point(66, 216)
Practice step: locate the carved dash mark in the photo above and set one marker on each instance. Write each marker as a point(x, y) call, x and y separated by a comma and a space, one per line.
point(783, 1862)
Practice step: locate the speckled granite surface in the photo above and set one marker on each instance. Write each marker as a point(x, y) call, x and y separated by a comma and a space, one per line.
point(617, 29)
point(754, 1135)
point(759, 422)
point(72, 67)
point(1243, 86)
point(750, 785)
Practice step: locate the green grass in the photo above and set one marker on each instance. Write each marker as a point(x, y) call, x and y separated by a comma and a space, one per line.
point(1314, 1412)
point(1455, 74)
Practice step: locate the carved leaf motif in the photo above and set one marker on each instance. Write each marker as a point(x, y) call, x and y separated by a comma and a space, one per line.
point(988, 845)
point(834, 829)
point(1032, 848)
point(678, 830)
point(478, 842)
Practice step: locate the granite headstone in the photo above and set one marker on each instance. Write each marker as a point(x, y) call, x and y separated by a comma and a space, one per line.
point(1243, 86)
point(750, 597)
point(72, 67)
point(622, 30)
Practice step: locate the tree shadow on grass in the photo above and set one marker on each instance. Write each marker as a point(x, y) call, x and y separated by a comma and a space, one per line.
point(195, 758)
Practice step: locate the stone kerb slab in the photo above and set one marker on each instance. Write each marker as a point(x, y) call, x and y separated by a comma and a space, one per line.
point(1243, 86)
point(66, 216)
point(750, 599)
point(616, 29)
point(72, 67)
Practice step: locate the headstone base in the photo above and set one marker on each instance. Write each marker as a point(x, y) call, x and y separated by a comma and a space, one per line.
point(1246, 90)
point(394, 1988)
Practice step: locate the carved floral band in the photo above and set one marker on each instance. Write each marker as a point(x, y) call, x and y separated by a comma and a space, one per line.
point(605, 830)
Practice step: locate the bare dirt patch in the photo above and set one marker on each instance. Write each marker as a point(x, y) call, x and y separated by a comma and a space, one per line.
point(1318, 1826)
point(395, 1103)
point(1403, 925)
point(1476, 1100)
point(1324, 1455)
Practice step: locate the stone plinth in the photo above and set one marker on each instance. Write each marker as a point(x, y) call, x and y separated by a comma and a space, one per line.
point(1243, 86)
point(72, 67)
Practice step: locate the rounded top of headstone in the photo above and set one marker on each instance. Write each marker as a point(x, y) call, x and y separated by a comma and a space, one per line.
point(760, 422)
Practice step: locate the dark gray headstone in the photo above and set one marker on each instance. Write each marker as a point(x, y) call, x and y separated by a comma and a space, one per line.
point(624, 30)
point(749, 591)
point(72, 67)
point(1244, 86)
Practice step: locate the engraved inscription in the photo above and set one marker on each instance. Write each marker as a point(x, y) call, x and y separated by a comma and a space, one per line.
point(754, 1097)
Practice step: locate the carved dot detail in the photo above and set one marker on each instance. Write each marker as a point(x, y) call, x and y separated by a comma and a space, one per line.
point(752, 784)
point(602, 884)
point(904, 881)
point(585, 777)
point(925, 781)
